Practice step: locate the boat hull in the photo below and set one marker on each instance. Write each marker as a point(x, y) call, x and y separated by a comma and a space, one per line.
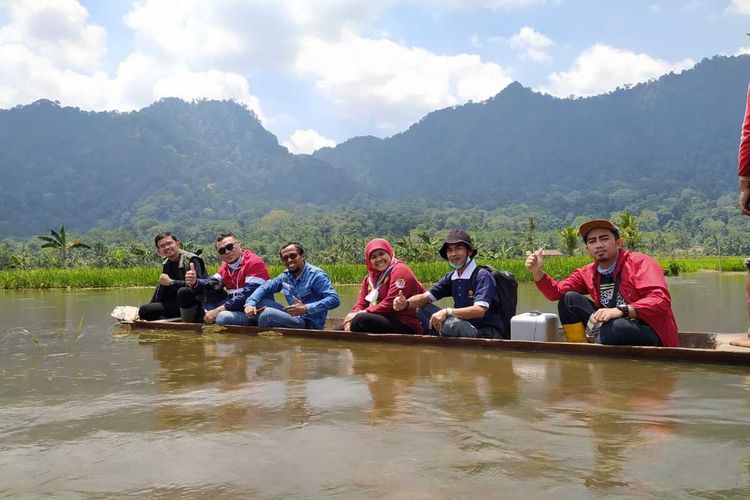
point(695, 347)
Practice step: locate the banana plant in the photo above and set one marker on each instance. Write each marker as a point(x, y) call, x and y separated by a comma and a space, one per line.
point(59, 241)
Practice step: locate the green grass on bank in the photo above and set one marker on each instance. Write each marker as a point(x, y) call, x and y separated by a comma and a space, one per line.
point(16, 279)
point(428, 272)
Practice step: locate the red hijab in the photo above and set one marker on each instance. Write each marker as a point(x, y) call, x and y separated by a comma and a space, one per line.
point(377, 244)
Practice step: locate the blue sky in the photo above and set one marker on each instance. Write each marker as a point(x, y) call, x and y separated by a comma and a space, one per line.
point(318, 72)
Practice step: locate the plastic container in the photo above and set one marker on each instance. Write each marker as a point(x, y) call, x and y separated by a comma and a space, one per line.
point(535, 326)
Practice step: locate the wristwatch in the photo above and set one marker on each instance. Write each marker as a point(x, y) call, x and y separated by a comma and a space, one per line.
point(625, 310)
point(449, 311)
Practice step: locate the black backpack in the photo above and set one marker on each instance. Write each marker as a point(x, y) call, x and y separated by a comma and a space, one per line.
point(506, 288)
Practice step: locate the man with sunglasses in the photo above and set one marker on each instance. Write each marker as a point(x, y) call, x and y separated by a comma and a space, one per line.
point(307, 289)
point(240, 273)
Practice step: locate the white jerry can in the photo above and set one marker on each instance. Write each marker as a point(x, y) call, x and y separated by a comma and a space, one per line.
point(535, 325)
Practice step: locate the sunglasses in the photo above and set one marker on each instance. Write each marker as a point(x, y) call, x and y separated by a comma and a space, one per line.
point(226, 248)
point(289, 256)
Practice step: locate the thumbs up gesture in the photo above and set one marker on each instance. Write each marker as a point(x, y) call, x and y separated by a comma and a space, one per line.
point(191, 277)
point(400, 302)
point(296, 309)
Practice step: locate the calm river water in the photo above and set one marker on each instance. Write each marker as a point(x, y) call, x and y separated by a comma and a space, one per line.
point(91, 411)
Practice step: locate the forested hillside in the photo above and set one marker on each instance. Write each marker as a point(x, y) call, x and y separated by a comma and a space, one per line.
point(630, 147)
point(664, 151)
point(170, 162)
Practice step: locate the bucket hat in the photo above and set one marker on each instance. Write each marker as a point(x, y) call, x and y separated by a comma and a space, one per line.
point(457, 236)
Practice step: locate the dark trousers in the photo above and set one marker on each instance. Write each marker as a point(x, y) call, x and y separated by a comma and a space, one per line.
point(377, 323)
point(186, 298)
point(453, 326)
point(575, 308)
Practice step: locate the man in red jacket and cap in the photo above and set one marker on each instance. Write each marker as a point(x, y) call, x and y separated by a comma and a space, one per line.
point(630, 303)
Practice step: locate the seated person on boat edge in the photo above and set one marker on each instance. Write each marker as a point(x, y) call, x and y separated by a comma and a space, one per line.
point(475, 312)
point(172, 296)
point(630, 302)
point(387, 278)
point(240, 273)
point(308, 291)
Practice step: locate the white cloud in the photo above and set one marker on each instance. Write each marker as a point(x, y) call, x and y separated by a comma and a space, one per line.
point(49, 50)
point(56, 30)
point(741, 6)
point(602, 68)
point(492, 4)
point(307, 141)
point(531, 44)
point(27, 77)
point(394, 84)
point(742, 51)
point(197, 49)
point(242, 36)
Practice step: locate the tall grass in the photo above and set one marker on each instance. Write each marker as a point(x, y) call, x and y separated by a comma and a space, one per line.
point(427, 272)
point(82, 277)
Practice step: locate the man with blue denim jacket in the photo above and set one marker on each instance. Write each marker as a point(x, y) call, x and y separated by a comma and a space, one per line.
point(308, 291)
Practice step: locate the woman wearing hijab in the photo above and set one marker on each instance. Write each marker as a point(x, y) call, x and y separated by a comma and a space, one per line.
point(387, 278)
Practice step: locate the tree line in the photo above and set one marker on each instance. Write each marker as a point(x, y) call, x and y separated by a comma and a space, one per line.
point(333, 237)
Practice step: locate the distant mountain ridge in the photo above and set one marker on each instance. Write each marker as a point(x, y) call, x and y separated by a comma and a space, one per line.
point(678, 131)
point(179, 162)
point(171, 161)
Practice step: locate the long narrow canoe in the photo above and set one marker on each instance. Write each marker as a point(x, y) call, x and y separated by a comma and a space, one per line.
point(694, 347)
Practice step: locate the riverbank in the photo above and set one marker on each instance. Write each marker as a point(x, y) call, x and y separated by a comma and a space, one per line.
point(428, 272)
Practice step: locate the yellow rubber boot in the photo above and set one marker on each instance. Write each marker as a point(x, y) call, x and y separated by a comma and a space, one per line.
point(575, 332)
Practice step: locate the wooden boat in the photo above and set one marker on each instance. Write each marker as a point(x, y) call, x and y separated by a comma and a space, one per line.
point(723, 348)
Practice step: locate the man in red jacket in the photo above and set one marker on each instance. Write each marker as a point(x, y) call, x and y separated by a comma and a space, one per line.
point(743, 171)
point(630, 303)
point(240, 273)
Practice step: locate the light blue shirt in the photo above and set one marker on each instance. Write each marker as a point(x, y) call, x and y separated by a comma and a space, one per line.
point(313, 287)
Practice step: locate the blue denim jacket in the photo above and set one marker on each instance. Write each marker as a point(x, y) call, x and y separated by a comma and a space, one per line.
point(313, 288)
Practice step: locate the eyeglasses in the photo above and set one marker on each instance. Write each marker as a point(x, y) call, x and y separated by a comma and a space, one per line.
point(226, 248)
point(289, 256)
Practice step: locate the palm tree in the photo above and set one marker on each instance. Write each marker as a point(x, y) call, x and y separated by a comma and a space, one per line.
point(569, 237)
point(530, 235)
point(59, 241)
point(629, 231)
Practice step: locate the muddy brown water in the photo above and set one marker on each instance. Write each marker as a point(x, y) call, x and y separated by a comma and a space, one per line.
point(96, 412)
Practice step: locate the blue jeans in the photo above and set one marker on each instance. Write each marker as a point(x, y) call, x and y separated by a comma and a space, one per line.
point(237, 317)
point(277, 316)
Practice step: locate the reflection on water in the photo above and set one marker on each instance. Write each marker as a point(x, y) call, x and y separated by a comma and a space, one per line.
point(160, 414)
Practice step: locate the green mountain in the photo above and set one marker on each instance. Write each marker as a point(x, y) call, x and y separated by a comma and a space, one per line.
point(172, 161)
point(655, 138)
point(176, 163)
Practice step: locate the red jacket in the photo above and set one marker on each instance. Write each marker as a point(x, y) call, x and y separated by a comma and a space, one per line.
point(243, 281)
point(388, 291)
point(743, 169)
point(642, 285)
